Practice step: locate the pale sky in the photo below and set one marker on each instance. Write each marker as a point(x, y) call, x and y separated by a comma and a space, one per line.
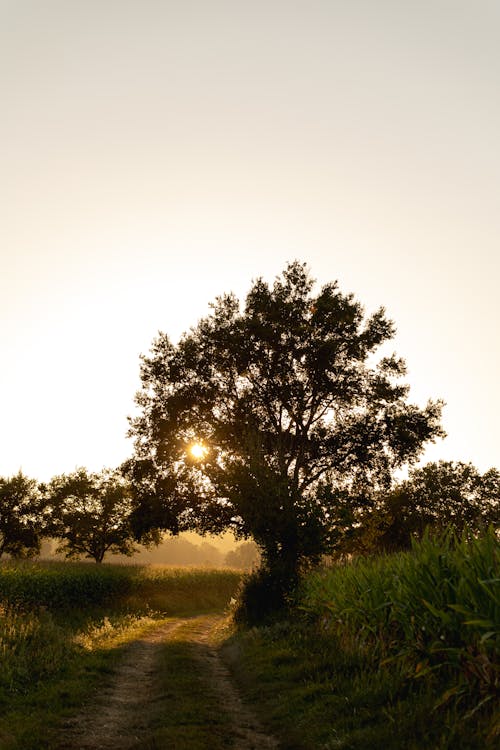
point(154, 154)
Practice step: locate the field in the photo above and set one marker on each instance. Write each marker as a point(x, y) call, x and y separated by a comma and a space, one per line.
point(391, 652)
point(64, 627)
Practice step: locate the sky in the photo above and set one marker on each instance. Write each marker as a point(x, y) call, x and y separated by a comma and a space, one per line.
point(155, 154)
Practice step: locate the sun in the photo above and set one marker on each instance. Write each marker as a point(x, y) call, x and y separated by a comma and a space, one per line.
point(198, 450)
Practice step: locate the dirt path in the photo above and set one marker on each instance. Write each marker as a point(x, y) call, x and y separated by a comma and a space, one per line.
point(247, 733)
point(120, 715)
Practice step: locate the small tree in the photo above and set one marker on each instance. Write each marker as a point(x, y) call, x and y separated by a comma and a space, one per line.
point(438, 496)
point(253, 409)
point(91, 514)
point(21, 516)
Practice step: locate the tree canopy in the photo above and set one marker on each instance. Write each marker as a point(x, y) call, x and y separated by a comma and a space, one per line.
point(286, 397)
point(91, 513)
point(21, 516)
point(440, 495)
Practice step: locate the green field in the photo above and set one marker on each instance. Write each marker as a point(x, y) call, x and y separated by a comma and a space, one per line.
point(390, 652)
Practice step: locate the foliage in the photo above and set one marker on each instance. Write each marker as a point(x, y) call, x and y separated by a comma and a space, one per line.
point(283, 396)
point(180, 591)
point(62, 585)
point(21, 516)
point(436, 496)
point(67, 586)
point(436, 608)
point(32, 647)
point(318, 690)
point(391, 652)
point(91, 513)
point(244, 556)
point(262, 597)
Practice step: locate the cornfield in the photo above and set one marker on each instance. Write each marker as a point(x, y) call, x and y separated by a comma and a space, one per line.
point(434, 611)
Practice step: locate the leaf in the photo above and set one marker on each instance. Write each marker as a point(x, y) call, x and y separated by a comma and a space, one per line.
point(456, 690)
point(471, 713)
point(481, 623)
point(487, 635)
point(441, 614)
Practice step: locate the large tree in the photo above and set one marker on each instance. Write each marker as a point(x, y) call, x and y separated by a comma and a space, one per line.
point(282, 398)
point(21, 516)
point(91, 514)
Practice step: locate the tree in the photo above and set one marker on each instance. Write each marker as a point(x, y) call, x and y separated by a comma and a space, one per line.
point(280, 398)
point(437, 496)
point(91, 514)
point(245, 556)
point(21, 516)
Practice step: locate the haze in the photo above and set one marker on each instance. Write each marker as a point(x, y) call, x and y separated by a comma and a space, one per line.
point(157, 154)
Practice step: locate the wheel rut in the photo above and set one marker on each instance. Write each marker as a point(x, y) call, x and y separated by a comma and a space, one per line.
point(119, 717)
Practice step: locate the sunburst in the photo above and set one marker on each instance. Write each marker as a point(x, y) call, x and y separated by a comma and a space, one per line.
point(198, 451)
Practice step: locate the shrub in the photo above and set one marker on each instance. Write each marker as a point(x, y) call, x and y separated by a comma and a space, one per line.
point(264, 595)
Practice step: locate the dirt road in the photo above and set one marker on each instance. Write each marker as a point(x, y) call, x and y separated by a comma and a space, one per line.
point(122, 715)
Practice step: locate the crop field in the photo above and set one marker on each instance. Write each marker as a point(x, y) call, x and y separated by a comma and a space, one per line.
point(62, 586)
point(435, 609)
point(400, 651)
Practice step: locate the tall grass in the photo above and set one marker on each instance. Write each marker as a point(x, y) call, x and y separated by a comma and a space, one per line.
point(32, 647)
point(51, 613)
point(434, 609)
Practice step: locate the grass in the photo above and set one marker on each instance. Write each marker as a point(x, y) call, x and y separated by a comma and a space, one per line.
point(189, 714)
point(318, 692)
point(393, 652)
point(63, 627)
point(31, 708)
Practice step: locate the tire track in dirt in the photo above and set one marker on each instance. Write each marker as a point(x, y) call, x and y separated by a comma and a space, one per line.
point(119, 717)
point(247, 732)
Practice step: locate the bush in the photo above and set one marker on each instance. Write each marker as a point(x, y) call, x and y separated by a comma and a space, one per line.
point(263, 596)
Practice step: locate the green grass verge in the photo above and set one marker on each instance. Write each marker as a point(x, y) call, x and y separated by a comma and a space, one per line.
point(317, 692)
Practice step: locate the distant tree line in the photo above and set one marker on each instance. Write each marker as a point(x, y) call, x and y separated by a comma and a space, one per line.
point(91, 515)
point(88, 514)
point(434, 498)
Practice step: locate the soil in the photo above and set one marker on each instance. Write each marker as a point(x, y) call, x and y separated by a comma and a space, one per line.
point(121, 713)
point(247, 733)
